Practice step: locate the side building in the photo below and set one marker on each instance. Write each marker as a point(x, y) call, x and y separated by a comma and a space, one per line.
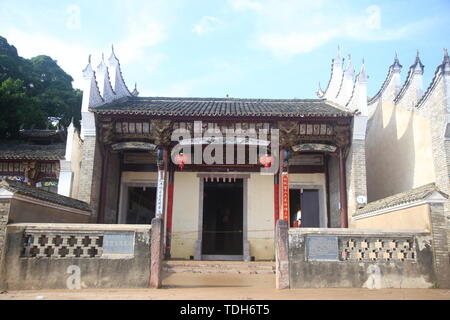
point(408, 132)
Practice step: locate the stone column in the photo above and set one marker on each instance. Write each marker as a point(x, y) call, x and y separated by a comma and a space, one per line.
point(103, 186)
point(282, 255)
point(169, 218)
point(438, 220)
point(343, 190)
point(156, 248)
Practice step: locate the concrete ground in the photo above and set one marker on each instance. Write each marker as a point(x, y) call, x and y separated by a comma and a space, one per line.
point(197, 286)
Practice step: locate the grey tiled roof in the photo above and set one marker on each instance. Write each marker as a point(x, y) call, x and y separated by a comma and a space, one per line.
point(413, 195)
point(26, 151)
point(222, 107)
point(26, 190)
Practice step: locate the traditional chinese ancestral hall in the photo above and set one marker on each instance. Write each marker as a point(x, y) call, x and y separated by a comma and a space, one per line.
point(137, 158)
point(285, 180)
point(224, 209)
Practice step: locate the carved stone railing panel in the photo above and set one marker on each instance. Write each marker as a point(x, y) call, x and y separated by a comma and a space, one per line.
point(377, 249)
point(59, 245)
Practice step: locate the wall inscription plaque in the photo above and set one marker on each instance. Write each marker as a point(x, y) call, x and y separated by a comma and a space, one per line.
point(115, 243)
point(322, 248)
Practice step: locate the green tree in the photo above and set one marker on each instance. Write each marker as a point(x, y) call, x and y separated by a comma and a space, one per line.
point(17, 109)
point(45, 91)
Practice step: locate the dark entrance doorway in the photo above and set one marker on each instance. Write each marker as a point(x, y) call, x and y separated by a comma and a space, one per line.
point(223, 218)
point(308, 201)
point(141, 205)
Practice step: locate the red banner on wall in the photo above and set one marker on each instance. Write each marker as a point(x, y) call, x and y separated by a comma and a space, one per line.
point(285, 196)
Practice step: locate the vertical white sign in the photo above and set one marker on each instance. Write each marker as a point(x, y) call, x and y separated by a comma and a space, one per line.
point(160, 194)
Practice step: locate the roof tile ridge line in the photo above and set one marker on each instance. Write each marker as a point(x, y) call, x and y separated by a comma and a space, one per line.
point(340, 86)
point(337, 106)
point(409, 78)
point(437, 75)
point(106, 75)
point(332, 69)
point(355, 84)
point(52, 194)
point(432, 186)
point(94, 77)
point(329, 81)
point(120, 69)
point(383, 87)
point(353, 93)
point(106, 81)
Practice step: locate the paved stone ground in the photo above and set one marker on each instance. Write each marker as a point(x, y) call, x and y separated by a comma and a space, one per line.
point(182, 286)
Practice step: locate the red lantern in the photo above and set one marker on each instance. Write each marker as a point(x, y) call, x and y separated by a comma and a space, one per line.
point(266, 161)
point(181, 160)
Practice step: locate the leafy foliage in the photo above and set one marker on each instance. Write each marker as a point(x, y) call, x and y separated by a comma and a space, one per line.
point(32, 90)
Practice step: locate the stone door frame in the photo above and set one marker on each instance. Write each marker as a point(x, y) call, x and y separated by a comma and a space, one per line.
point(245, 246)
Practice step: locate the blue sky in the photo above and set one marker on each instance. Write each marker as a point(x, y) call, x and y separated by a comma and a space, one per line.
point(243, 48)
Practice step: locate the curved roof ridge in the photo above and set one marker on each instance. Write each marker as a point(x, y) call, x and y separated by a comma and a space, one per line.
point(387, 80)
point(409, 78)
point(437, 75)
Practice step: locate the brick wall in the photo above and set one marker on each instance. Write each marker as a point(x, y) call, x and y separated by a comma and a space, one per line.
point(355, 175)
point(435, 109)
point(440, 244)
point(90, 174)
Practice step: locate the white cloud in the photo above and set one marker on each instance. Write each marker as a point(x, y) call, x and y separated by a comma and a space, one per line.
point(206, 24)
point(246, 5)
point(73, 21)
point(221, 74)
point(287, 45)
point(71, 57)
point(292, 27)
point(374, 17)
point(143, 28)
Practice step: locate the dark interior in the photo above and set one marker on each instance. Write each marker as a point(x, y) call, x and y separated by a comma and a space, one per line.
point(141, 205)
point(223, 218)
point(308, 201)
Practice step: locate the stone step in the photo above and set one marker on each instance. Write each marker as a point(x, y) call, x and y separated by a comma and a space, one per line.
point(236, 267)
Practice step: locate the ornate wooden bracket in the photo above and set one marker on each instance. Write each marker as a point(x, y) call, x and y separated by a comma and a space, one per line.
point(161, 131)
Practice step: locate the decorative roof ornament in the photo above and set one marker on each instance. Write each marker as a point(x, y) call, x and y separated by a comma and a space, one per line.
point(104, 83)
point(338, 60)
point(117, 81)
point(88, 71)
point(320, 92)
point(135, 92)
point(350, 70)
point(418, 66)
point(446, 63)
point(396, 66)
point(112, 58)
point(362, 76)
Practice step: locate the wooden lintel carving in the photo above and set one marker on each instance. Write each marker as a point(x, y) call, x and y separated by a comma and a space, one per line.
point(161, 131)
point(289, 133)
point(106, 132)
point(342, 136)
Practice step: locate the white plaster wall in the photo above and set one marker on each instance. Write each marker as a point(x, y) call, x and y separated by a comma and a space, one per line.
point(185, 225)
point(398, 151)
point(260, 219)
